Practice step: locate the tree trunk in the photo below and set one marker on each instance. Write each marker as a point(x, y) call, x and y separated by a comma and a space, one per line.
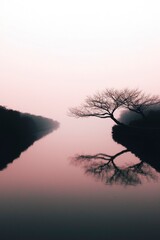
point(117, 122)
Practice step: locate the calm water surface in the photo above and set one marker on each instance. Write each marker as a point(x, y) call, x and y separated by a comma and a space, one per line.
point(44, 196)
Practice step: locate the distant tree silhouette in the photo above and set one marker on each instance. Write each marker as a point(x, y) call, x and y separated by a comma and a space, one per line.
point(105, 104)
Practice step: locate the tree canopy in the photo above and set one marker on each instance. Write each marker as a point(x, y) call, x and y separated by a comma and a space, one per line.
point(106, 103)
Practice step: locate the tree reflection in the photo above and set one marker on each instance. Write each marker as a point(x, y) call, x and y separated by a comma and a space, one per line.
point(144, 144)
point(103, 167)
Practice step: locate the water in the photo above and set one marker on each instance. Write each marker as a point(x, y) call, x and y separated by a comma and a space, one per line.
point(51, 59)
point(44, 196)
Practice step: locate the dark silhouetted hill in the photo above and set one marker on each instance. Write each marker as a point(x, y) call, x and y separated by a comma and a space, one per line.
point(18, 131)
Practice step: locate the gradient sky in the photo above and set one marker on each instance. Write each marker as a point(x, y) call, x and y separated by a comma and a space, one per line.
point(48, 48)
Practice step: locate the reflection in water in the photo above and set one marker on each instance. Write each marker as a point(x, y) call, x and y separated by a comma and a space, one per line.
point(144, 144)
point(104, 167)
point(18, 131)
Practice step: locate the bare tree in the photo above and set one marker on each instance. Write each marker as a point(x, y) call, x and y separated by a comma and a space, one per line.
point(104, 105)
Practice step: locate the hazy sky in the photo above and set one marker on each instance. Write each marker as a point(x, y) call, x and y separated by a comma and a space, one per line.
point(56, 50)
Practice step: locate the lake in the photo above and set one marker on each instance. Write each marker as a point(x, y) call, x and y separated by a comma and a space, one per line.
point(53, 55)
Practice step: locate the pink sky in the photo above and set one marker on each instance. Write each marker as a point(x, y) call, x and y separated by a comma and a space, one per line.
point(53, 51)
